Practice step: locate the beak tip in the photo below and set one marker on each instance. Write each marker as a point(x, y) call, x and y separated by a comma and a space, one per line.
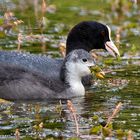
point(117, 55)
point(112, 49)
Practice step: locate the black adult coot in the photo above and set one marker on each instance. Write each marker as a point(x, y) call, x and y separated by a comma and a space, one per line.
point(86, 35)
point(20, 83)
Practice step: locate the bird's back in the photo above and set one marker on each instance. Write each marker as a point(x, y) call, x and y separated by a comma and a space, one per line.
point(21, 83)
point(37, 63)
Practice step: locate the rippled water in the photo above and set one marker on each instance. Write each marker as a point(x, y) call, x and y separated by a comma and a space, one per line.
point(121, 85)
point(100, 101)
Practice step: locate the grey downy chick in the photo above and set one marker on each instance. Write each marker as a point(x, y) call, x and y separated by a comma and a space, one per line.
point(19, 83)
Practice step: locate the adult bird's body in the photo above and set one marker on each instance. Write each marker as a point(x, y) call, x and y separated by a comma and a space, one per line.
point(86, 35)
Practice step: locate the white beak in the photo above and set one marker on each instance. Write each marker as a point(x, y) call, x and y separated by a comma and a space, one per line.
point(112, 49)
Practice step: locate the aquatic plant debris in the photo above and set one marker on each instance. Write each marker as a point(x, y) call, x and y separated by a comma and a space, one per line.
point(17, 134)
point(3, 101)
point(130, 135)
point(62, 48)
point(97, 71)
point(73, 112)
point(43, 7)
point(9, 21)
point(116, 110)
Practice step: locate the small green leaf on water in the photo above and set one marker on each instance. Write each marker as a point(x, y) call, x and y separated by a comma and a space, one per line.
point(119, 59)
point(74, 138)
point(110, 126)
point(27, 138)
point(120, 133)
point(1, 21)
point(106, 131)
point(96, 129)
point(133, 48)
point(109, 61)
point(2, 34)
point(95, 118)
point(97, 71)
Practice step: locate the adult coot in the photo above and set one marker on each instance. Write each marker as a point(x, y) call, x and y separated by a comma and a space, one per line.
point(86, 35)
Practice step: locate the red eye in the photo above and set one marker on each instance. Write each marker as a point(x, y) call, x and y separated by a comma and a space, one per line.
point(102, 33)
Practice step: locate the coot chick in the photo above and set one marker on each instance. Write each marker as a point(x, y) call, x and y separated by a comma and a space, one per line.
point(19, 83)
point(86, 35)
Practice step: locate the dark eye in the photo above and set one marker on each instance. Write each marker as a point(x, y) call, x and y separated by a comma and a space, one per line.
point(84, 60)
point(102, 33)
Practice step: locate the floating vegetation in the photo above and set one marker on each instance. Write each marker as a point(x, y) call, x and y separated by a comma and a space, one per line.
point(2, 101)
point(97, 71)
